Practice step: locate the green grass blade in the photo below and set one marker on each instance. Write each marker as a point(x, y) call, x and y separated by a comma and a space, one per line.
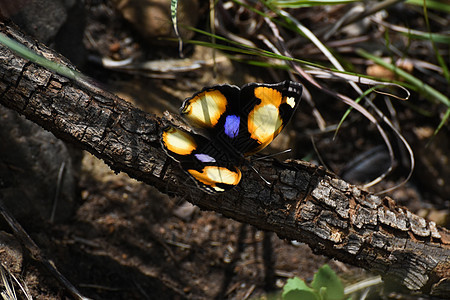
point(173, 15)
point(443, 121)
point(308, 3)
point(38, 59)
point(420, 35)
point(417, 34)
point(416, 83)
point(244, 49)
point(435, 49)
point(364, 94)
point(432, 4)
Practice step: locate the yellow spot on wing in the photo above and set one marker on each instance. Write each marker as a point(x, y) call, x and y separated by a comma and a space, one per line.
point(205, 109)
point(178, 141)
point(264, 124)
point(264, 121)
point(212, 175)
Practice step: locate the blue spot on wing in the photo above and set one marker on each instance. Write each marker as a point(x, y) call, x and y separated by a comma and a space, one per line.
point(232, 123)
point(205, 158)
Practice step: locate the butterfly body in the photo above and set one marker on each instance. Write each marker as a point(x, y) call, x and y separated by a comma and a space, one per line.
point(229, 123)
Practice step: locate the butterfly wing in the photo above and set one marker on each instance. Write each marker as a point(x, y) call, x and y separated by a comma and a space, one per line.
point(243, 120)
point(201, 159)
point(215, 113)
point(266, 109)
point(205, 109)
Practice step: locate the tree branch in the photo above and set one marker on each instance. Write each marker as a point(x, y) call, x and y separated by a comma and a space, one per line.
point(306, 203)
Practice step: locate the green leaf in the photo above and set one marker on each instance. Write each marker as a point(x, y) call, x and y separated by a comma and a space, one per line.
point(297, 289)
point(325, 277)
point(300, 295)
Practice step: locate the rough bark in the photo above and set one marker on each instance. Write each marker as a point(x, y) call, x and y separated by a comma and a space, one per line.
point(306, 203)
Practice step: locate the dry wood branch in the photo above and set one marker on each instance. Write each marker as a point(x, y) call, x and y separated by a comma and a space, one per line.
point(306, 203)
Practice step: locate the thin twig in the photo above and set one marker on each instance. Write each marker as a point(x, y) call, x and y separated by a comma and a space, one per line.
point(58, 188)
point(36, 253)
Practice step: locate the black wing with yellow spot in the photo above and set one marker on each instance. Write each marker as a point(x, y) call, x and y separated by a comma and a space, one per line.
point(266, 109)
point(213, 171)
point(205, 109)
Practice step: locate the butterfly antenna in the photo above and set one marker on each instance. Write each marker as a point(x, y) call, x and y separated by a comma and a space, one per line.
point(272, 155)
point(260, 176)
point(264, 157)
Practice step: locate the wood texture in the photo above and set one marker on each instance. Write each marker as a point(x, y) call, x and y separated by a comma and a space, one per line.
point(306, 203)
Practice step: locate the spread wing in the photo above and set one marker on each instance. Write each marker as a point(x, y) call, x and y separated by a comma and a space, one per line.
point(206, 109)
point(244, 121)
point(266, 109)
point(212, 170)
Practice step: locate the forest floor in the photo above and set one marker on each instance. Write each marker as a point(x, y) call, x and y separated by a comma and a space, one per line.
point(126, 240)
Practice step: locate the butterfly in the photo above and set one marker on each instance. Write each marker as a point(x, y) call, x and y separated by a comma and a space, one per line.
point(229, 123)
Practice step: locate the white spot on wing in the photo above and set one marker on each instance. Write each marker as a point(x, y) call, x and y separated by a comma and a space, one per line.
point(290, 101)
